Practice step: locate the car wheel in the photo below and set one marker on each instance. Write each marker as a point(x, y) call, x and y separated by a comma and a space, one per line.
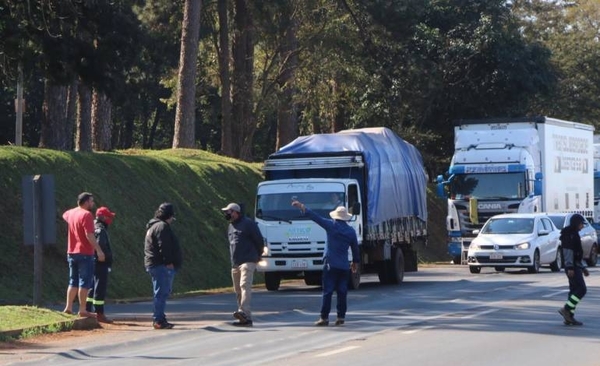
point(499, 269)
point(593, 258)
point(557, 264)
point(474, 269)
point(535, 267)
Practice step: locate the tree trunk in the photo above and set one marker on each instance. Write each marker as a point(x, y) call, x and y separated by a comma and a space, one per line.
point(242, 93)
point(226, 116)
point(338, 121)
point(287, 121)
point(71, 115)
point(83, 139)
point(101, 122)
point(186, 86)
point(53, 116)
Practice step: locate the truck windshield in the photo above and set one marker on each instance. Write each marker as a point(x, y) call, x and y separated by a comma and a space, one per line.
point(488, 185)
point(278, 206)
point(597, 187)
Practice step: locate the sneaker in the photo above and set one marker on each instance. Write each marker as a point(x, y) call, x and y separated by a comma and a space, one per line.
point(322, 322)
point(339, 321)
point(245, 323)
point(566, 314)
point(162, 325)
point(241, 316)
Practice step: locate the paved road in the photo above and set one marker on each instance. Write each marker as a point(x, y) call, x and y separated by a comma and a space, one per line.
point(442, 315)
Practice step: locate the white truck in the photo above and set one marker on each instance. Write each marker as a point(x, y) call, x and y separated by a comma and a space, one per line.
point(596, 218)
point(523, 165)
point(375, 174)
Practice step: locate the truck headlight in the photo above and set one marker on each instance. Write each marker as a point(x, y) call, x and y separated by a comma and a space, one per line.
point(266, 252)
point(522, 246)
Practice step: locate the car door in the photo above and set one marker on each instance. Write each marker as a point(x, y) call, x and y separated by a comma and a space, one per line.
point(549, 242)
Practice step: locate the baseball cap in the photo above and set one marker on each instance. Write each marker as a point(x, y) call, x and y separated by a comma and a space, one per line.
point(232, 207)
point(106, 213)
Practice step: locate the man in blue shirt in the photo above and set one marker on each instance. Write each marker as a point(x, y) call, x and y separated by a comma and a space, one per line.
point(336, 270)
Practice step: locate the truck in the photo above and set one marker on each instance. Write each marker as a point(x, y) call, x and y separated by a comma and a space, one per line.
point(375, 174)
point(524, 165)
point(596, 218)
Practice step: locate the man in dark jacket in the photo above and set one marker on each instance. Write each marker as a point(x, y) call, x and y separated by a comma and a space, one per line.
point(246, 247)
point(97, 294)
point(574, 267)
point(162, 258)
point(336, 270)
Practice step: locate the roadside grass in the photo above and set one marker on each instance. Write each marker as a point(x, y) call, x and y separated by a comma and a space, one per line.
point(30, 321)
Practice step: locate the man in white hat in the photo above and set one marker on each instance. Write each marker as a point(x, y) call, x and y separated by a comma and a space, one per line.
point(336, 271)
point(246, 245)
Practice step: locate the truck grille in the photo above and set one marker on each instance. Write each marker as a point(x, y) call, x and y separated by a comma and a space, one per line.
point(297, 249)
point(467, 226)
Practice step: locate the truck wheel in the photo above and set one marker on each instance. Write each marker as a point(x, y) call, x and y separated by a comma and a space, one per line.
point(313, 278)
point(272, 281)
point(456, 259)
point(474, 269)
point(382, 272)
point(354, 280)
point(535, 267)
point(557, 264)
point(593, 258)
point(396, 273)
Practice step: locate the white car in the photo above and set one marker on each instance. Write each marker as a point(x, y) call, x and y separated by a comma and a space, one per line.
point(589, 238)
point(516, 240)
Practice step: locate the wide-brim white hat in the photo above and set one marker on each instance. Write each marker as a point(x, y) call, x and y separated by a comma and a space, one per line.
point(340, 213)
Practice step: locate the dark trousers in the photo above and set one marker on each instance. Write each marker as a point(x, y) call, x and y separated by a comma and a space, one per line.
point(334, 279)
point(577, 289)
point(97, 294)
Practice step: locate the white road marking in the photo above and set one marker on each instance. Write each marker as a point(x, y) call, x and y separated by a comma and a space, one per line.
point(418, 329)
point(335, 352)
point(555, 293)
point(479, 313)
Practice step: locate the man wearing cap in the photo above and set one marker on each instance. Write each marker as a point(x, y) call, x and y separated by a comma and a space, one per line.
point(97, 293)
point(336, 271)
point(80, 252)
point(162, 258)
point(246, 245)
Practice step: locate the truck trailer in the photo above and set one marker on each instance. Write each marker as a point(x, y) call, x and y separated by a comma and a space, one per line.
point(372, 172)
point(524, 165)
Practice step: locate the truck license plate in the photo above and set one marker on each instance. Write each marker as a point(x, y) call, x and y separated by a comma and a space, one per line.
point(299, 264)
point(496, 256)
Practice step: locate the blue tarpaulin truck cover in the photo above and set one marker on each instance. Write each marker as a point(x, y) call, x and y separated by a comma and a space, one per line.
point(396, 178)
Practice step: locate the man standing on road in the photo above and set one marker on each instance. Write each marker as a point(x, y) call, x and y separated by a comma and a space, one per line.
point(162, 258)
point(80, 253)
point(97, 293)
point(574, 267)
point(336, 271)
point(246, 246)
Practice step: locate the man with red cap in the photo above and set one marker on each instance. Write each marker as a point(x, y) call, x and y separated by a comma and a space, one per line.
point(97, 294)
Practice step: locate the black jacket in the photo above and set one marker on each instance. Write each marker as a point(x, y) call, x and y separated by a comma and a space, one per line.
point(571, 248)
point(245, 241)
point(103, 240)
point(161, 246)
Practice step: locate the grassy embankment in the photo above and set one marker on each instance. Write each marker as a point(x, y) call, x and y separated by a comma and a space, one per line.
point(133, 183)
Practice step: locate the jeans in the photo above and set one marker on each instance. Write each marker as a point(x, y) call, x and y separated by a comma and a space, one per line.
point(162, 284)
point(242, 277)
point(81, 270)
point(334, 279)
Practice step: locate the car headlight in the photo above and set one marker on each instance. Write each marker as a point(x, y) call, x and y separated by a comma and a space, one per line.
point(522, 246)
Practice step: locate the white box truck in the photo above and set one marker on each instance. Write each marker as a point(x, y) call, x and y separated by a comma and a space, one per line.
point(537, 164)
point(372, 172)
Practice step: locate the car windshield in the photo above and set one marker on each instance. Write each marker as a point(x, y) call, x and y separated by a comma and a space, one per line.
point(559, 221)
point(508, 226)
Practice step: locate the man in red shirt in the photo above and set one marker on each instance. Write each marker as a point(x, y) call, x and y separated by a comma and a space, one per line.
point(80, 252)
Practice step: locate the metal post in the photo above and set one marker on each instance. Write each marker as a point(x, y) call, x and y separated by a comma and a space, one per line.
point(19, 108)
point(38, 247)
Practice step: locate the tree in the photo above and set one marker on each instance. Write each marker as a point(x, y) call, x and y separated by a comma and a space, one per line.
point(101, 121)
point(186, 88)
point(224, 77)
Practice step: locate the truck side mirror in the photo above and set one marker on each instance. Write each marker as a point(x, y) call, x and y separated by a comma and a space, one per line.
point(440, 192)
point(356, 208)
point(537, 184)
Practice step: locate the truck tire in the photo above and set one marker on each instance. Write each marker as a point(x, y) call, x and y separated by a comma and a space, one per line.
point(354, 279)
point(396, 273)
point(535, 266)
point(593, 258)
point(272, 281)
point(474, 269)
point(313, 278)
point(457, 259)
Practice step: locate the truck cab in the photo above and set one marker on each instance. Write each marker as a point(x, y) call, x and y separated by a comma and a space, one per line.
point(294, 244)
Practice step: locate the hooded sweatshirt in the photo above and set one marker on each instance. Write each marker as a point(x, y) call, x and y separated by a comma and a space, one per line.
point(161, 246)
point(571, 248)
